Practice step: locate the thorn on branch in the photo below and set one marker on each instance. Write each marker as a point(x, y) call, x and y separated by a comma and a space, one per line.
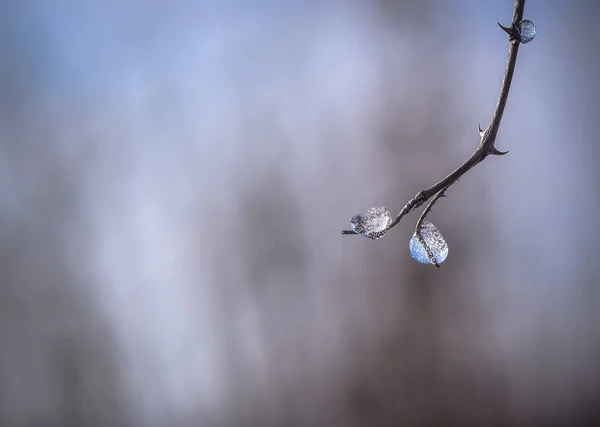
point(481, 131)
point(507, 30)
point(513, 32)
point(494, 151)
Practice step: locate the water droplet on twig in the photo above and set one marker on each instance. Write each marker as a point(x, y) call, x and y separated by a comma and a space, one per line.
point(434, 240)
point(373, 223)
point(527, 30)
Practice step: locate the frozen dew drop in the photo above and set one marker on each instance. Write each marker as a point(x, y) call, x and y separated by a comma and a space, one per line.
point(434, 240)
point(527, 30)
point(373, 223)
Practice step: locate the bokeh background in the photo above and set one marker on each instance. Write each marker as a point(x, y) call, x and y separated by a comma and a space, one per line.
point(174, 177)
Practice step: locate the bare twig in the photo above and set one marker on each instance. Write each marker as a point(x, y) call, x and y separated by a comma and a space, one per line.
point(488, 136)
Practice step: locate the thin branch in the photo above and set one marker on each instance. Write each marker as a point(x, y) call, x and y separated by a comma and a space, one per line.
point(430, 255)
point(488, 136)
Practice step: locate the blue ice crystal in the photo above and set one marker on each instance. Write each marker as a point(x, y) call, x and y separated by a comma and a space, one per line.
point(527, 30)
point(434, 240)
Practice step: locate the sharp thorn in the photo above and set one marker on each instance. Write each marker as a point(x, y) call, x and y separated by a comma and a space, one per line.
point(497, 152)
point(507, 30)
point(481, 131)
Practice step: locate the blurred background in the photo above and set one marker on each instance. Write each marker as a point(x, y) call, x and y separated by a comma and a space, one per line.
point(174, 177)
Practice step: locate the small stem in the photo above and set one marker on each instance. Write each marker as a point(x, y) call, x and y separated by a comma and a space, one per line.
point(438, 196)
point(430, 254)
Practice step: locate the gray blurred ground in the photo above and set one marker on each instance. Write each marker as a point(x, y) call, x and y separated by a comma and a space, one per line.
point(174, 177)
